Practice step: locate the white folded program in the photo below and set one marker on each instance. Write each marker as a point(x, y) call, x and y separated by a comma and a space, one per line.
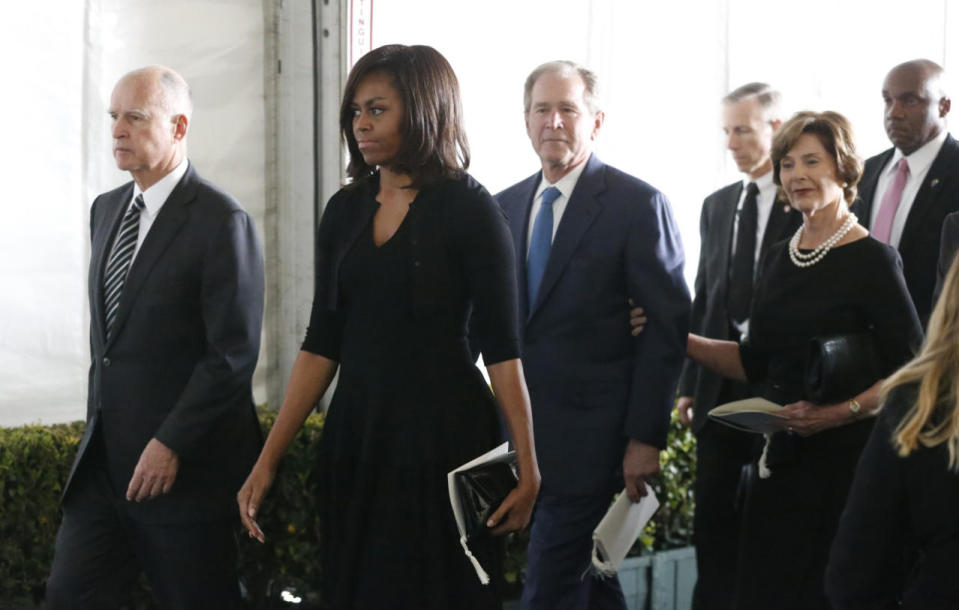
point(618, 530)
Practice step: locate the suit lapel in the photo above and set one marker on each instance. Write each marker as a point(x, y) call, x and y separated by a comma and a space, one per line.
point(166, 226)
point(727, 221)
point(927, 197)
point(518, 217)
point(107, 224)
point(777, 224)
point(867, 188)
point(581, 210)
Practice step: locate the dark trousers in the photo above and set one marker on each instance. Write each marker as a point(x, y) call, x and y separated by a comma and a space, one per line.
point(101, 551)
point(721, 454)
point(558, 557)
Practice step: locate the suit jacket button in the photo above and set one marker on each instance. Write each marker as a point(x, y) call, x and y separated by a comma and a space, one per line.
point(106, 361)
point(416, 263)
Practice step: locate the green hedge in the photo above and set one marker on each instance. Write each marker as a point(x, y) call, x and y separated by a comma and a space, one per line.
point(35, 460)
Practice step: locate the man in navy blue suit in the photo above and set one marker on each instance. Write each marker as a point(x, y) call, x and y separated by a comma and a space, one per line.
point(588, 238)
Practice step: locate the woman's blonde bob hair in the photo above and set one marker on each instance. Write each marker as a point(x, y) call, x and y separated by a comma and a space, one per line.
point(835, 134)
point(933, 419)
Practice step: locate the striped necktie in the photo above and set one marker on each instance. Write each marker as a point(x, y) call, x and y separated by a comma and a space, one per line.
point(118, 265)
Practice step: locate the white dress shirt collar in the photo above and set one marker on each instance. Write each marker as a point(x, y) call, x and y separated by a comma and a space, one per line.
point(566, 184)
point(154, 198)
point(920, 159)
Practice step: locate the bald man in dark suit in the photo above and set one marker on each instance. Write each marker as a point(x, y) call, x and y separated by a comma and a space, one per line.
point(176, 306)
point(911, 217)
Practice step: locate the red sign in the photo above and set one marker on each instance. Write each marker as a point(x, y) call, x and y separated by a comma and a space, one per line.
point(361, 29)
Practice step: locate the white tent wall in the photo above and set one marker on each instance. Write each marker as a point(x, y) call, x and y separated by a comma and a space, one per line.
point(251, 64)
point(43, 335)
point(663, 68)
point(61, 61)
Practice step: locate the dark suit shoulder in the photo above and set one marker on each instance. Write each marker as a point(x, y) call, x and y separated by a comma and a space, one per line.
point(118, 193)
point(876, 162)
point(950, 148)
point(215, 198)
point(726, 197)
point(726, 193)
point(617, 179)
point(517, 190)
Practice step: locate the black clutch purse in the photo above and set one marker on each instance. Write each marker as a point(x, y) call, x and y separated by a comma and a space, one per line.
point(482, 488)
point(840, 366)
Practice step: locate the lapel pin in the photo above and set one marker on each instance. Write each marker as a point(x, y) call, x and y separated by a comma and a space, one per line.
point(934, 183)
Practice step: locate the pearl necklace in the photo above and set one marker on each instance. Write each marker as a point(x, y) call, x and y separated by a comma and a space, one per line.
point(808, 260)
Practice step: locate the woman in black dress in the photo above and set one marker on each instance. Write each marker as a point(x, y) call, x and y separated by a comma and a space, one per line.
point(898, 539)
point(408, 253)
point(830, 279)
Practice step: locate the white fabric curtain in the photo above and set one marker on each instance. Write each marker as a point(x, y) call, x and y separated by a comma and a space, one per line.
point(61, 60)
point(664, 66)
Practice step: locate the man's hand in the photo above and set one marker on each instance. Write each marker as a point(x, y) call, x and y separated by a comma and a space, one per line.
point(637, 318)
point(155, 472)
point(640, 462)
point(684, 407)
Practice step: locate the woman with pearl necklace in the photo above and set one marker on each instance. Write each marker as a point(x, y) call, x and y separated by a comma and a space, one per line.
point(830, 279)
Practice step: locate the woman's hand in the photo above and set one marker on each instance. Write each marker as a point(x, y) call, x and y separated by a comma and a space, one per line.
point(806, 418)
point(250, 496)
point(515, 511)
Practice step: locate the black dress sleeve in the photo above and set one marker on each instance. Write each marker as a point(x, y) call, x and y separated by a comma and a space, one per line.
point(324, 334)
point(865, 569)
point(482, 240)
point(892, 314)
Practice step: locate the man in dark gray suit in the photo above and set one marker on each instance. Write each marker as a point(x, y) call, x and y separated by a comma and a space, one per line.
point(738, 224)
point(907, 191)
point(588, 237)
point(176, 304)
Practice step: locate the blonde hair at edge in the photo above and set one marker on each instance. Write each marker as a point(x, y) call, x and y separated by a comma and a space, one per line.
point(936, 368)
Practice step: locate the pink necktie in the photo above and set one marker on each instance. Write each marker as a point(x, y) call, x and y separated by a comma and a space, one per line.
point(882, 228)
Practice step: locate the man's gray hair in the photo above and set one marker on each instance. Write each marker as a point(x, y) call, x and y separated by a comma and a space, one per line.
point(565, 68)
point(177, 96)
point(770, 100)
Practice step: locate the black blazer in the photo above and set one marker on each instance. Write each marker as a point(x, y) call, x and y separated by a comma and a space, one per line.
point(898, 537)
point(709, 315)
point(919, 247)
point(949, 245)
point(591, 383)
point(179, 364)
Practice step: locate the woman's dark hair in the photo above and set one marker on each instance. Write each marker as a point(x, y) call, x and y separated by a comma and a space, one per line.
point(434, 143)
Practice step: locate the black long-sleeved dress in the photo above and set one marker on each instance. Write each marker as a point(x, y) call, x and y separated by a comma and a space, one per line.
point(790, 518)
point(410, 404)
point(898, 538)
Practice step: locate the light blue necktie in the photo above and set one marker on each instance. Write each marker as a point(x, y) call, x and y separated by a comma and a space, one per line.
point(539, 243)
